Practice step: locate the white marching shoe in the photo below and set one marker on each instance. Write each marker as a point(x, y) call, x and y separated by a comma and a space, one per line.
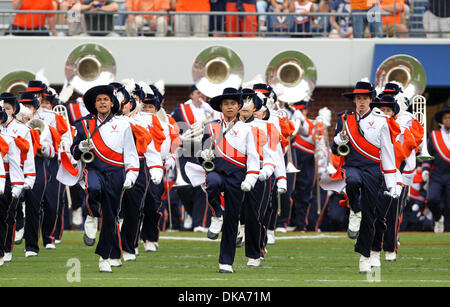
point(90, 230)
point(281, 229)
point(354, 222)
point(225, 268)
point(30, 254)
point(151, 246)
point(50, 246)
point(215, 227)
point(1, 261)
point(104, 265)
point(270, 237)
point(253, 262)
point(390, 256)
point(18, 236)
point(115, 262)
point(77, 217)
point(375, 259)
point(187, 221)
point(364, 265)
point(240, 239)
point(200, 229)
point(7, 257)
point(439, 225)
point(128, 257)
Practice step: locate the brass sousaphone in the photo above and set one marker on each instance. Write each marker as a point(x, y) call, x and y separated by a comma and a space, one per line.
point(16, 81)
point(217, 68)
point(89, 65)
point(293, 75)
point(410, 73)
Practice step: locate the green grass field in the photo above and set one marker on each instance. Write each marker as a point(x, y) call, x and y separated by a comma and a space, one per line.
point(296, 260)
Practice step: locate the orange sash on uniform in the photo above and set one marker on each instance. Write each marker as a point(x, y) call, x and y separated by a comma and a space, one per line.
point(358, 142)
point(61, 124)
point(187, 114)
point(260, 140)
point(56, 137)
point(439, 145)
point(394, 130)
point(157, 133)
point(24, 146)
point(4, 147)
point(143, 138)
point(174, 132)
point(36, 139)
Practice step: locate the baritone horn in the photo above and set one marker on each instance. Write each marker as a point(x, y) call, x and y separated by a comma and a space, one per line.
point(16, 82)
point(217, 68)
point(89, 65)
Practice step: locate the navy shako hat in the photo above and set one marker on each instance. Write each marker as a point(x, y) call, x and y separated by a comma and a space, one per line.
point(3, 116)
point(391, 89)
point(249, 93)
point(386, 101)
point(120, 88)
point(30, 99)
point(157, 93)
point(152, 99)
point(91, 95)
point(300, 105)
point(192, 88)
point(440, 114)
point(12, 100)
point(35, 87)
point(138, 91)
point(361, 88)
point(228, 93)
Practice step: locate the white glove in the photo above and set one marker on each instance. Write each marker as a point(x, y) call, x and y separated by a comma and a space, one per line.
point(27, 185)
point(207, 154)
point(156, 175)
point(246, 186)
point(425, 175)
point(282, 186)
point(16, 192)
point(2, 187)
point(298, 115)
point(415, 207)
point(169, 163)
point(85, 146)
point(265, 173)
point(339, 141)
point(395, 191)
point(128, 184)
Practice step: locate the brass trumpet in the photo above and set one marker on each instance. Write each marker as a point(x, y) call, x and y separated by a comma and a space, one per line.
point(208, 165)
point(88, 157)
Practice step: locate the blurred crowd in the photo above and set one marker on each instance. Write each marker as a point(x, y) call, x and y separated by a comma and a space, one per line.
point(248, 18)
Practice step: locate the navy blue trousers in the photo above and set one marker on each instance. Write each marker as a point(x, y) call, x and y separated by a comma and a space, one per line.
point(304, 185)
point(438, 197)
point(133, 210)
point(52, 202)
point(105, 188)
point(194, 202)
point(230, 184)
point(33, 207)
point(8, 207)
point(252, 215)
point(152, 213)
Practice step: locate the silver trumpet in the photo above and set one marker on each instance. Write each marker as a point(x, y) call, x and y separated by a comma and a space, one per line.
point(208, 165)
point(88, 157)
point(419, 109)
point(343, 150)
point(179, 181)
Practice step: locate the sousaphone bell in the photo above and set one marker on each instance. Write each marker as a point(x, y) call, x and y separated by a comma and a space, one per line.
point(89, 65)
point(16, 82)
point(217, 68)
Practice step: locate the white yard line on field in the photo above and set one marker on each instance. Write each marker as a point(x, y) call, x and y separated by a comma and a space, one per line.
point(319, 236)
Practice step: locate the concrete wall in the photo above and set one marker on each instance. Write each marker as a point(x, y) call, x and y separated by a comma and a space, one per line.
point(339, 62)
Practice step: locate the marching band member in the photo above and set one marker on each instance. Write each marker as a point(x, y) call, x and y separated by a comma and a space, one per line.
point(256, 201)
point(53, 197)
point(368, 138)
point(304, 148)
point(437, 171)
point(232, 149)
point(11, 188)
point(114, 168)
point(43, 149)
point(193, 111)
point(169, 142)
point(22, 138)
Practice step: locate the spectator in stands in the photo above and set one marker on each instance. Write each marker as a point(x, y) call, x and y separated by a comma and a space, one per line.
point(100, 24)
point(187, 25)
point(157, 23)
point(437, 19)
point(245, 26)
point(217, 22)
point(392, 25)
point(321, 24)
point(302, 21)
point(341, 25)
point(366, 8)
point(33, 24)
point(279, 6)
point(262, 7)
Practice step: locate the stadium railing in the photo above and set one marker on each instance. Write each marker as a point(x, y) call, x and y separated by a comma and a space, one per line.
point(278, 24)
